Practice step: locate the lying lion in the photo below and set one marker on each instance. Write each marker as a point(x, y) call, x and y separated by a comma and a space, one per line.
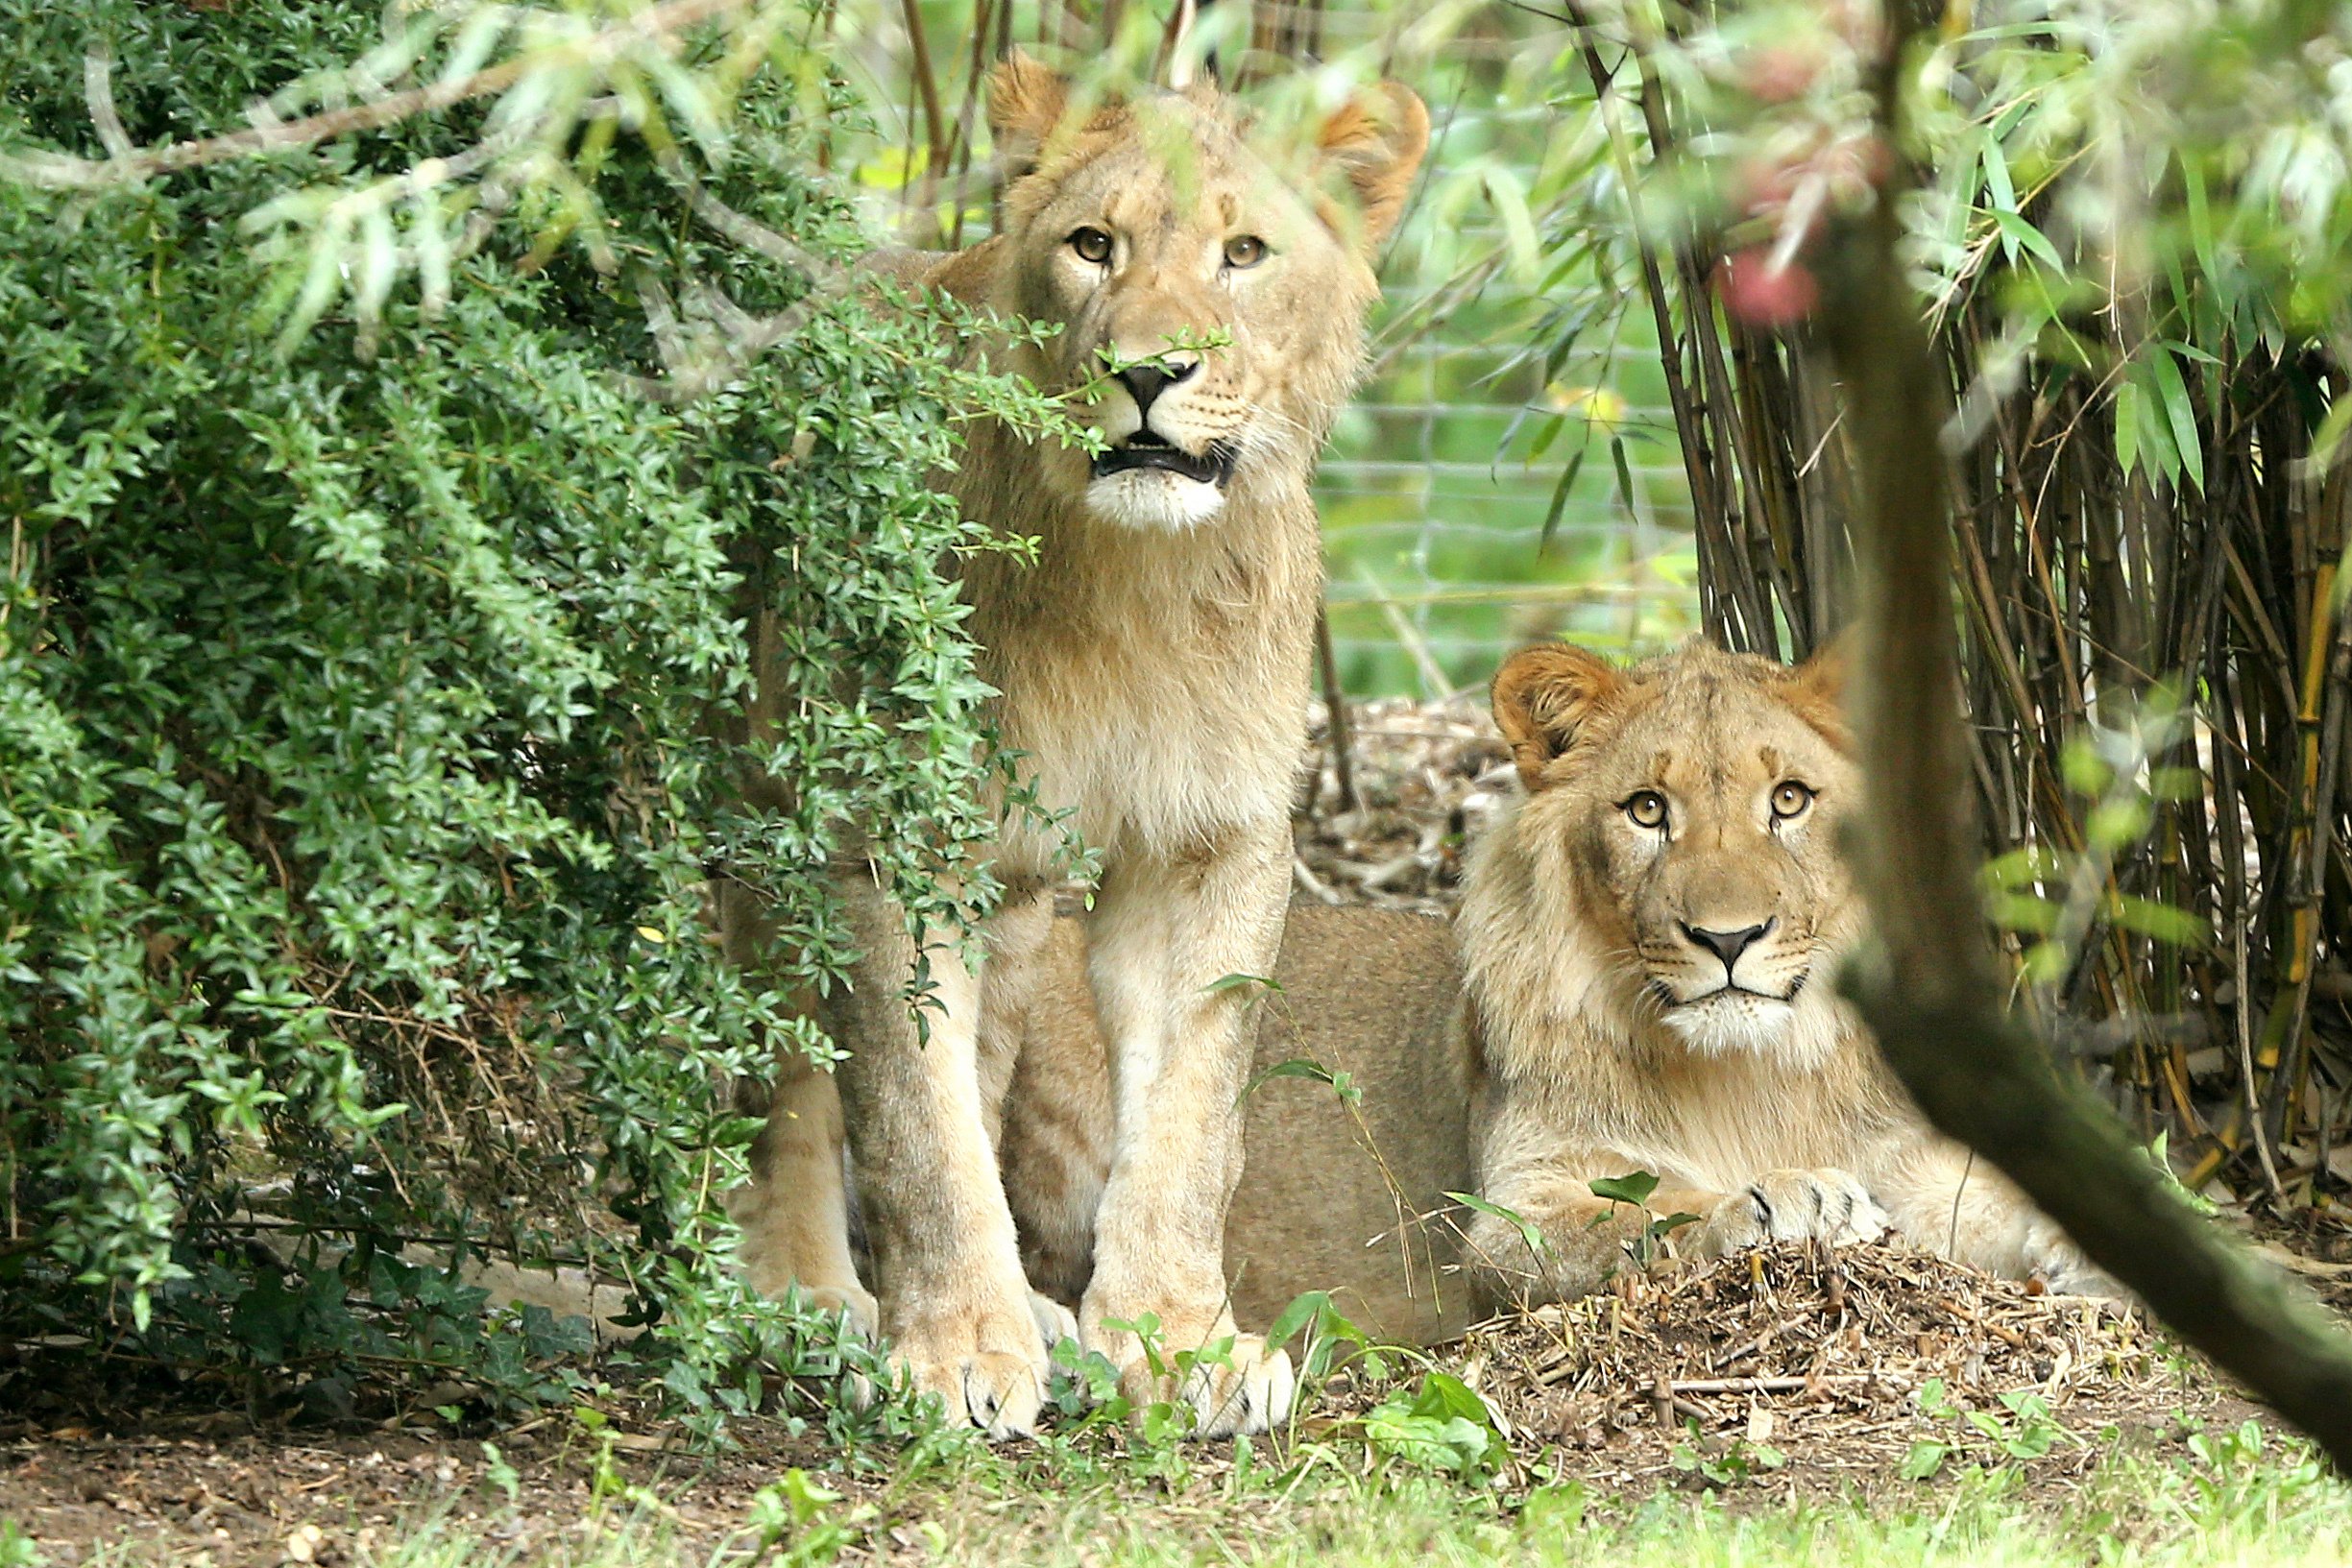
point(1648, 941)
point(1152, 673)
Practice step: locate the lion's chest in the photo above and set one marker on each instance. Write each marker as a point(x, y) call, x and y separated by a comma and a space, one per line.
point(1724, 1121)
point(1161, 716)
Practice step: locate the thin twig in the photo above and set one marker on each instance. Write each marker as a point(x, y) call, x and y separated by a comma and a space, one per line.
point(64, 171)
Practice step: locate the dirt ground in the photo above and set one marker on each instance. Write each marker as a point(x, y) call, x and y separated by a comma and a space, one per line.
point(234, 1496)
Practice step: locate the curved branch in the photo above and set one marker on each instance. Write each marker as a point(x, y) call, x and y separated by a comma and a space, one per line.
point(64, 171)
point(1933, 995)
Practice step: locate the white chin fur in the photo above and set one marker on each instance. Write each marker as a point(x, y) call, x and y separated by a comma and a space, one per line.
point(1153, 499)
point(1730, 1021)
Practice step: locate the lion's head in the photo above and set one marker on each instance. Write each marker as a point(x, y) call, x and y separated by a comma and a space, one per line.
point(1675, 856)
point(1211, 294)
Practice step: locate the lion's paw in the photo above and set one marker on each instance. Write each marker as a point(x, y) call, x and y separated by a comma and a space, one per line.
point(1055, 1322)
point(1794, 1206)
point(1246, 1391)
point(2052, 1258)
point(988, 1368)
point(1235, 1384)
point(859, 1313)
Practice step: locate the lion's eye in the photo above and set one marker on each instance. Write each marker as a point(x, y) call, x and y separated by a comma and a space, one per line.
point(1646, 808)
point(1789, 800)
point(1245, 251)
point(1091, 245)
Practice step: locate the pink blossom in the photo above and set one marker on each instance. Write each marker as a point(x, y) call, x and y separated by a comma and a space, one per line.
point(1759, 294)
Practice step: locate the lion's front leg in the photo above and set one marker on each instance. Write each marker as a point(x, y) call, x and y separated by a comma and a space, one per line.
point(1166, 931)
point(1947, 1201)
point(794, 1211)
point(947, 1267)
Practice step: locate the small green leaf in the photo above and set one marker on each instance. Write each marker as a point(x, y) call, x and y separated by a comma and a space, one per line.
point(1527, 1228)
point(2181, 412)
point(1235, 982)
point(2151, 918)
point(1300, 1067)
point(2015, 228)
point(1996, 182)
point(1635, 1187)
point(1305, 1308)
point(2118, 824)
point(1560, 497)
point(2128, 427)
point(1924, 1460)
point(1509, 195)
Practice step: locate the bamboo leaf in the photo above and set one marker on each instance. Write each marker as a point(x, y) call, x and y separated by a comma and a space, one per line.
point(2201, 216)
point(2128, 427)
point(2331, 432)
point(1559, 496)
point(2015, 228)
point(2181, 413)
point(2161, 920)
point(2000, 195)
point(1508, 194)
point(1527, 1228)
point(1625, 474)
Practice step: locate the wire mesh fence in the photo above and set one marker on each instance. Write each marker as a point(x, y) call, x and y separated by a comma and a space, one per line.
point(1451, 540)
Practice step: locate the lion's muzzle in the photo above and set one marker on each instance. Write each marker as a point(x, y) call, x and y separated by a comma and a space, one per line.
point(1147, 450)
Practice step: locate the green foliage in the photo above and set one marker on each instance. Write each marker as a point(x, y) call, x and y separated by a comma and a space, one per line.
point(1725, 1464)
point(1634, 1188)
point(795, 1519)
point(378, 529)
point(2055, 900)
point(1332, 1340)
point(1439, 1424)
point(2021, 1429)
point(1341, 1083)
point(1529, 1231)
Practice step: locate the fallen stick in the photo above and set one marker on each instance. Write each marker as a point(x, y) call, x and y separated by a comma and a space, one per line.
point(1772, 1386)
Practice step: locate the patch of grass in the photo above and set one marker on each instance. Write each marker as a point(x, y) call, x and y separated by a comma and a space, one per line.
point(1411, 1483)
point(2237, 1497)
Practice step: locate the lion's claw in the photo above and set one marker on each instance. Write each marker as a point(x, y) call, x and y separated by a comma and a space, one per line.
point(1794, 1206)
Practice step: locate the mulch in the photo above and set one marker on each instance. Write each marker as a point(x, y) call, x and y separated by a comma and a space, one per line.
point(1426, 776)
point(234, 1495)
point(1792, 1372)
point(1799, 1364)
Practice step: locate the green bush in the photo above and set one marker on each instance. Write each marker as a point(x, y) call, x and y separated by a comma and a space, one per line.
point(372, 599)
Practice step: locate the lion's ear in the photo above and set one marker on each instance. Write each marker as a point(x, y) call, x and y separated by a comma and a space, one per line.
point(1826, 670)
point(1027, 100)
point(1543, 696)
point(1817, 689)
point(1376, 139)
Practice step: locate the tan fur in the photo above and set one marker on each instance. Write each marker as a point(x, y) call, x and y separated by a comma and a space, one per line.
point(1348, 1199)
point(1608, 1044)
point(1153, 667)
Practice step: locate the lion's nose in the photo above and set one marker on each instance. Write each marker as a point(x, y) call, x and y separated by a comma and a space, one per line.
point(1146, 382)
point(1728, 946)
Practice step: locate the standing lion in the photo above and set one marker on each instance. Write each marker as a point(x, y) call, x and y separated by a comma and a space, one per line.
point(1153, 669)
